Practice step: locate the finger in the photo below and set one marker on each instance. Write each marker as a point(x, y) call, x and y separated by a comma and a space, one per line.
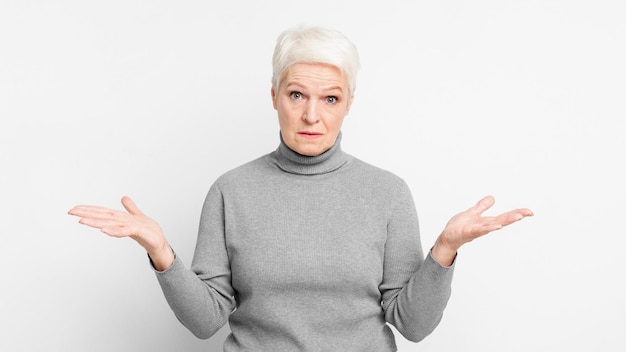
point(482, 205)
point(99, 223)
point(526, 212)
point(108, 227)
point(93, 211)
point(130, 206)
point(79, 209)
point(512, 216)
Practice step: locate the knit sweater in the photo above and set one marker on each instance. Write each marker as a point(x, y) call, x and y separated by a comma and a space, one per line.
point(304, 253)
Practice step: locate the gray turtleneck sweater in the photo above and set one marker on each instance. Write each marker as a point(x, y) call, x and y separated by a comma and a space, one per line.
point(305, 253)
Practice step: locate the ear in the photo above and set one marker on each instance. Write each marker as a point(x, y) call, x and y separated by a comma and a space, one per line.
point(349, 104)
point(274, 98)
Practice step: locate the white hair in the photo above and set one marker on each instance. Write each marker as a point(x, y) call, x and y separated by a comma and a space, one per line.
point(306, 44)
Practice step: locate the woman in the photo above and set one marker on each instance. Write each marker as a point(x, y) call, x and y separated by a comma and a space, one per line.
point(307, 248)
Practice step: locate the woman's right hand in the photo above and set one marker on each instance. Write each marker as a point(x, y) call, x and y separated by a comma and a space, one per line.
point(134, 224)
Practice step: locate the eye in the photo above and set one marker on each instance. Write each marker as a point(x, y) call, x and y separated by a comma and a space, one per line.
point(296, 95)
point(331, 100)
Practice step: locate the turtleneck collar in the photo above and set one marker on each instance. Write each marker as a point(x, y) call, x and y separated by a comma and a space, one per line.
point(289, 161)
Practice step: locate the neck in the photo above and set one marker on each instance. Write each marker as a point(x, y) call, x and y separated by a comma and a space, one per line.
point(292, 162)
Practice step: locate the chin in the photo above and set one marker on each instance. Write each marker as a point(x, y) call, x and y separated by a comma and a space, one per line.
point(309, 147)
point(309, 152)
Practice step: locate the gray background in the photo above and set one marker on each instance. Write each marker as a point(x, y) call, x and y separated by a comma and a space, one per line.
point(154, 99)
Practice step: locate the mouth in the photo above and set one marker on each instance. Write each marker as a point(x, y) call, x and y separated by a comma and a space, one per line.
point(310, 134)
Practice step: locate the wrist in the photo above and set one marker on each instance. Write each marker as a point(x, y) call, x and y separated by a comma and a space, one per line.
point(162, 258)
point(443, 253)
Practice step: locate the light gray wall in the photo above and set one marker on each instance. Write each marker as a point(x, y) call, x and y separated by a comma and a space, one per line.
point(155, 99)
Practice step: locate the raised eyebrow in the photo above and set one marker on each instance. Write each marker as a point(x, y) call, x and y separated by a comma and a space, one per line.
point(294, 85)
point(300, 87)
point(336, 88)
point(333, 88)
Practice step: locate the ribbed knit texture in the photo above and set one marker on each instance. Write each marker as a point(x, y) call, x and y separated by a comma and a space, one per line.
point(304, 253)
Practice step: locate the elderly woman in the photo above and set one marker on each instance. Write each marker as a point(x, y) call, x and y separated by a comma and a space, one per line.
point(307, 248)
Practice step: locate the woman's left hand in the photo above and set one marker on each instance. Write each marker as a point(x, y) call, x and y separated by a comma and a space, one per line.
point(471, 224)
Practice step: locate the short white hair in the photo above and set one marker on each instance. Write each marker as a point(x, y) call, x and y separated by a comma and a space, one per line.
point(310, 44)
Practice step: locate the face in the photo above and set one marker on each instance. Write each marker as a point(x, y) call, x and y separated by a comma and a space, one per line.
point(311, 101)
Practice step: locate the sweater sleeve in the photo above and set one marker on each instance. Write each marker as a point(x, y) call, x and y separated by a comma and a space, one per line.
point(415, 290)
point(202, 298)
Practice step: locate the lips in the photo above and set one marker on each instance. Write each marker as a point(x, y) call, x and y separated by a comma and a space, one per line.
point(310, 134)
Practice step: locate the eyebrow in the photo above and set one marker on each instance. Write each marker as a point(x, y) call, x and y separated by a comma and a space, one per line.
point(297, 84)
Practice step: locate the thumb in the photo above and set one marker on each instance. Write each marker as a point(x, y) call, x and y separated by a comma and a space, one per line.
point(130, 206)
point(483, 204)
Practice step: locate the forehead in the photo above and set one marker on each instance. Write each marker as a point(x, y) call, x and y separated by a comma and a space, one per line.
point(315, 74)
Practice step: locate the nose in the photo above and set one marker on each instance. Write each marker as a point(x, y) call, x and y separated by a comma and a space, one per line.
point(310, 114)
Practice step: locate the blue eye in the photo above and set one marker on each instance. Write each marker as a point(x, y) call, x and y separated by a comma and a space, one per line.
point(296, 95)
point(331, 99)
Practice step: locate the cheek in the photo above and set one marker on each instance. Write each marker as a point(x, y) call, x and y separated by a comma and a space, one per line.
point(286, 115)
point(337, 123)
point(336, 115)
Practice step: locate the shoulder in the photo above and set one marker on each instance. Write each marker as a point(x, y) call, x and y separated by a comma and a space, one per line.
point(381, 188)
point(370, 174)
point(245, 173)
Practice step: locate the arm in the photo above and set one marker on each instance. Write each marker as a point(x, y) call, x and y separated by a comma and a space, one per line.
point(415, 290)
point(416, 307)
point(201, 300)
